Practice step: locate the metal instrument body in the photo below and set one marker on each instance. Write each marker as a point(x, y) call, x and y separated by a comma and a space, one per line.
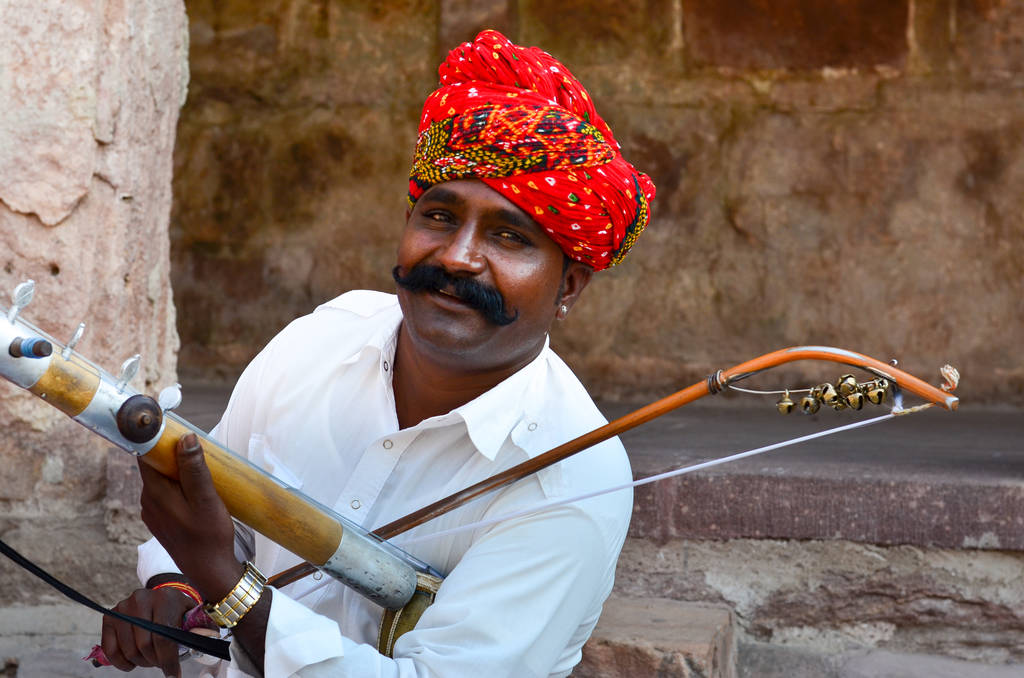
point(374, 568)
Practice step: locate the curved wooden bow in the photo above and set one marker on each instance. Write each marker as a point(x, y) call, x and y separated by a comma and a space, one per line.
point(710, 385)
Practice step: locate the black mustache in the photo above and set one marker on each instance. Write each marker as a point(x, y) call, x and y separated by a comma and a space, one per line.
point(483, 298)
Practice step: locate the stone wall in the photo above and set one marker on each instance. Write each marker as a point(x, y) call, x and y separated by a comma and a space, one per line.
point(828, 597)
point(829, 173)
point(90, 96)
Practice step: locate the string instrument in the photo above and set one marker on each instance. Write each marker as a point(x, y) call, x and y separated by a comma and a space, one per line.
point(364, 560)
point(148, 429)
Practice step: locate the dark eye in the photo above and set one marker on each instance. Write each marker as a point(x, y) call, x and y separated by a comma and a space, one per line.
point(513, 237)
point(440, 216)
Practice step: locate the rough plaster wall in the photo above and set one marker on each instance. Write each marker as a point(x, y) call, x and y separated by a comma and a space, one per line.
point(851, 176)
point(90, 94)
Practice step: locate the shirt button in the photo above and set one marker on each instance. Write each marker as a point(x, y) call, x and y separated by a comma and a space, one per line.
point(388, 444)
point(318, 575)
point(385, 365)
point(355, 504)
point(532, 427)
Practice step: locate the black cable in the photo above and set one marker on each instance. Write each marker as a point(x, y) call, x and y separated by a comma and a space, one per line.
point(214, 647)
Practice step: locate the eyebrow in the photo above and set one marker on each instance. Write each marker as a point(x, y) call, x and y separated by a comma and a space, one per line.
point(444, 195)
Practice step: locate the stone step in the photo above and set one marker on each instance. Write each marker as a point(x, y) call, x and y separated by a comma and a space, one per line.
point(660, 637)
point(762, 660)
point(935, 479)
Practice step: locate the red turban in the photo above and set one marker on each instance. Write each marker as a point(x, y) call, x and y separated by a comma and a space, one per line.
point(518, 120)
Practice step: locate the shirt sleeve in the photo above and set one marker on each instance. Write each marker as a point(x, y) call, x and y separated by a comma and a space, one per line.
point(153, 560)
point(524, 591)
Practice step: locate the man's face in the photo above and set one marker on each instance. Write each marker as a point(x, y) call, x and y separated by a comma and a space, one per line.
point(474, 234)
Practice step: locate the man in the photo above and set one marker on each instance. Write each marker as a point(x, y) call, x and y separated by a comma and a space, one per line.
point(376, 406)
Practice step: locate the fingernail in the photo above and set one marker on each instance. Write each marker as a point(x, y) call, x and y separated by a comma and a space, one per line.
point(191, 443)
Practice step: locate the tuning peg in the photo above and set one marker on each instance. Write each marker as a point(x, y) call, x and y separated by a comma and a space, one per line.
point(20, 298)
point(828, 394)
point(810, 403)
point(855, 400)
point(875, 391)
point(169, 398)
point(129, 368)
point(66, 353)
point(785, 404)
point(846, 385)
point(31, 347)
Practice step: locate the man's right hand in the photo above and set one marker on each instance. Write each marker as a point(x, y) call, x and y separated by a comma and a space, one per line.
point(128, 646)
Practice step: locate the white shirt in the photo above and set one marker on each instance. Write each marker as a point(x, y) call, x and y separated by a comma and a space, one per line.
point(520, 598)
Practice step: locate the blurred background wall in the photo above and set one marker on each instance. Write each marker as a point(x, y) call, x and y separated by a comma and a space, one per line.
point(846, 173)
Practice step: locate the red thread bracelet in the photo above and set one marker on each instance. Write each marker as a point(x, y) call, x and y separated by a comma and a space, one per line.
point(183, 587)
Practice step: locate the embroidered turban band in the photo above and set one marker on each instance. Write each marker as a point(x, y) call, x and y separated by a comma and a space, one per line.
point(516, 118)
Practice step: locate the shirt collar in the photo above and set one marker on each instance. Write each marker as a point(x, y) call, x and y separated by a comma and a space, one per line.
point(491, 416)
point(381, 343)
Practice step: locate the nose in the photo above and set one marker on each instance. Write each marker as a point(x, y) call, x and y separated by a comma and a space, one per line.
point(461, 251)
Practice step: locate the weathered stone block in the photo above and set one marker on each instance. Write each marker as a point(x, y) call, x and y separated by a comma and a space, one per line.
point(931, 34)
point(660, 637)
point(461, 20)
point(581, 33)
point(938, 513)
point(990, 39)
point(337, 218)
point(836, 596)
point(796, 34)
point(312, 53)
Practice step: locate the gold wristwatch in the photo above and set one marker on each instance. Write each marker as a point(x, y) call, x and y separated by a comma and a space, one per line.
point(228, 612)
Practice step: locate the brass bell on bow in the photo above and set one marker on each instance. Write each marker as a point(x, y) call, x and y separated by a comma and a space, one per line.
point(875, 391)
point(810, 403)
point(855, 400)
point(828, 395)
point(846, 385)
point(785, 404)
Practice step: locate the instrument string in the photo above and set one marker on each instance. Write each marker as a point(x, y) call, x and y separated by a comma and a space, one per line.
point(538, 508)
point(650, 479)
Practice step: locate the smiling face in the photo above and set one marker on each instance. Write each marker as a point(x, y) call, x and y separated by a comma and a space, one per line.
point(472, 232)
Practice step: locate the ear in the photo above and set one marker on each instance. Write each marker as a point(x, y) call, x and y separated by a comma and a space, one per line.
point(577, 276)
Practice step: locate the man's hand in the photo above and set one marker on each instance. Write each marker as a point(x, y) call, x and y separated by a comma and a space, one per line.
point(127, 646)
point(191, 522)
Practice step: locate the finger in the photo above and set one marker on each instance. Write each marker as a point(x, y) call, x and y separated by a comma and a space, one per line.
point(145, 641)
point(161, 496)
point(194, 475)
point(157, 650)
point(167, 657)
point(156, 484)
point(126, 640)
point(166, 650)
point(111, 646)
